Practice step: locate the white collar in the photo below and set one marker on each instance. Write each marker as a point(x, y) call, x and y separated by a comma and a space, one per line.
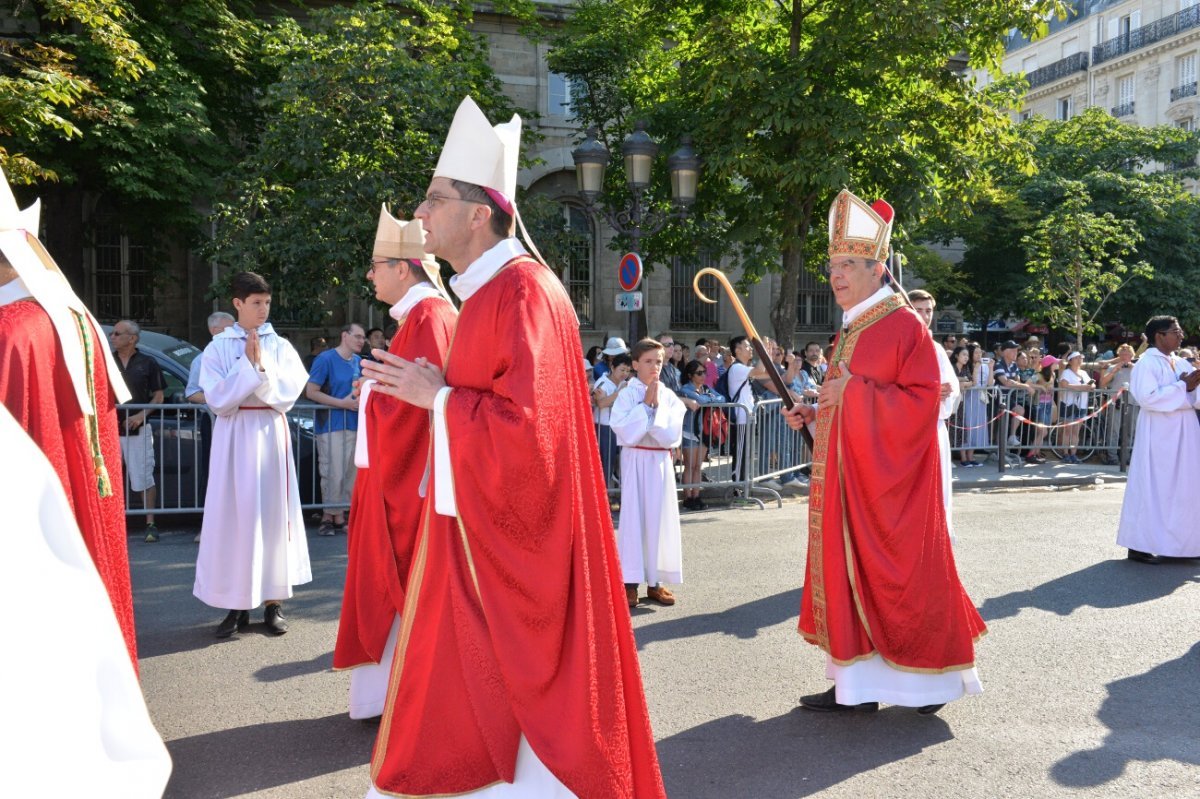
point(13, 291)
point(485, 267)
point(879, 296)
point(416, 293)
point(237, 331)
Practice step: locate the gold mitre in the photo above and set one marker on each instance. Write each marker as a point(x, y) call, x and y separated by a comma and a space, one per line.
point(406, 241)
point(859, 230)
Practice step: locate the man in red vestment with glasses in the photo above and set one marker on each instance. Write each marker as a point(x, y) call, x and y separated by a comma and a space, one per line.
point(516, 671)
point(59, 380)
point(391, 454)
point(881, 596)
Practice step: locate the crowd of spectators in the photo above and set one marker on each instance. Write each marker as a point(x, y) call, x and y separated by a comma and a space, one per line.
point(1024, 394)
point(713, 373)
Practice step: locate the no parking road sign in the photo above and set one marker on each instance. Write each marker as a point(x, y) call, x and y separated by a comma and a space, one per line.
point(629, 271)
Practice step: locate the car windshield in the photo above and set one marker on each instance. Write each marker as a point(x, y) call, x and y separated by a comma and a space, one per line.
point(177, 350)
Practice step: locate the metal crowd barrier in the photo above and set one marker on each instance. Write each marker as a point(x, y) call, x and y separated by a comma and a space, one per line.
point(1007, 424)
point(755, 453)
point(182, 441)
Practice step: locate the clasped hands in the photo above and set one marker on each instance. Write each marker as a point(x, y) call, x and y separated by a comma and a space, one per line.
point(415, 382)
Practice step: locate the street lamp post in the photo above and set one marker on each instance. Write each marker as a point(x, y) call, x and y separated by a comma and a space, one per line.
point(635, 219)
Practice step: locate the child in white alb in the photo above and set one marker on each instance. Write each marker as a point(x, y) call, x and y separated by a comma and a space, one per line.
point(647, 420)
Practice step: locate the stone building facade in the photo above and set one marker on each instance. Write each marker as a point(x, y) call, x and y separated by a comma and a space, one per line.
point(1137, 59)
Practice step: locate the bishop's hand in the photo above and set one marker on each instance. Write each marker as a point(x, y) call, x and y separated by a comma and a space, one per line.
point(415, 382)
point(799, 415)
point(830, 395)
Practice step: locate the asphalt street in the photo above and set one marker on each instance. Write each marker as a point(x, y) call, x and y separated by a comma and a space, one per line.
point(1091, 671)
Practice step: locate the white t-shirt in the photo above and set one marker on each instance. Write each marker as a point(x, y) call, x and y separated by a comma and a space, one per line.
point(738, 375)
point(602, 415)
point(1077, 398)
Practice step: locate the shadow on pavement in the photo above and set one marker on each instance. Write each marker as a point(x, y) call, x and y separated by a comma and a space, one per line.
point(1108, 584)
point(741, 621)
point(233, 762)
point(1150, 717)
point(797, 754)
point(285, 671)
point(170, 620)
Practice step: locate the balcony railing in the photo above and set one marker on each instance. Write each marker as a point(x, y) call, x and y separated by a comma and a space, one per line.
point(1124, 110)
point(1186, 90)
point(1146, 35)
point(1059, 69)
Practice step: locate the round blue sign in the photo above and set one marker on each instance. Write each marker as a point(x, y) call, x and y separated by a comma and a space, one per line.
point(629, 271)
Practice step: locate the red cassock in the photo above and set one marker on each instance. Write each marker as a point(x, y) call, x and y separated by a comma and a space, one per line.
point(880, 575)
point(516, 621)
point(36, 387)
point(385, 509)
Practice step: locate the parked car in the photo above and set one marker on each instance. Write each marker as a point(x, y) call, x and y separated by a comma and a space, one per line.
point(183, 436)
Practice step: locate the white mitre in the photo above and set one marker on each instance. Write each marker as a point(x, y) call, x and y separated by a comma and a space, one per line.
point(48, 285)
point(476, 152)
point(406, 240)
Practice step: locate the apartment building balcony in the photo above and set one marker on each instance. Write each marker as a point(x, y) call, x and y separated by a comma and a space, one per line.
point(1123, 110)
point(1186, 90)
point(1147, 35)
point(1058, 70)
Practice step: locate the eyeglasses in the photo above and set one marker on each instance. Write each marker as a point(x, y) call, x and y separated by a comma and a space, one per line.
point(433, 200)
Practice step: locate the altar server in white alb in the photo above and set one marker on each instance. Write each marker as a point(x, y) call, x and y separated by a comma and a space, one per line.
point(78, 725)
point(647, 420)
point(951, 394)
point(252, 545)
point(1156, 518)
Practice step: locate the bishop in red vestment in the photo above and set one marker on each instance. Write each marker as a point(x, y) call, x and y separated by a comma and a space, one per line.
point(54, 362)
point(516, 661)
point(392, 457)
point(881, 595)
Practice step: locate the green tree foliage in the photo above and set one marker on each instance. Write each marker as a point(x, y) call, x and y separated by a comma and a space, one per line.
point(1118, 176)
point(791, 101)
point(1078, 261)
point(43, 90)
point(139, 102)
point(356, 117)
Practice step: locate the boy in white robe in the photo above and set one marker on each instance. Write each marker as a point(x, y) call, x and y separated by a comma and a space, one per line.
point(647, 421)
point(1165, 467)
point(253, 546)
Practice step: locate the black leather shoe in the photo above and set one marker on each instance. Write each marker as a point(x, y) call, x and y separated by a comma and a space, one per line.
point(1143, 557)
point(243, 620)
point(827, 703)
point(230, 623)
point(929, 710)
point(273, 616)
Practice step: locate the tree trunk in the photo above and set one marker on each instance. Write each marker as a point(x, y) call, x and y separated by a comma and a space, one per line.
point(783, 314)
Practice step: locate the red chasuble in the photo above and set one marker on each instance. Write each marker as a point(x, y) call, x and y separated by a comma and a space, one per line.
point(515, 620)
point(880, 575)
point(36, 387)
point(385, 509)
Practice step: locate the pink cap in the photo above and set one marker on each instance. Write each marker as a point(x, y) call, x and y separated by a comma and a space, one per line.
point(1049, 360)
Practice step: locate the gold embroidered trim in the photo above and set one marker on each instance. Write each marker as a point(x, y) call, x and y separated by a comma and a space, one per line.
point(841, 244)
point(416, 576)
